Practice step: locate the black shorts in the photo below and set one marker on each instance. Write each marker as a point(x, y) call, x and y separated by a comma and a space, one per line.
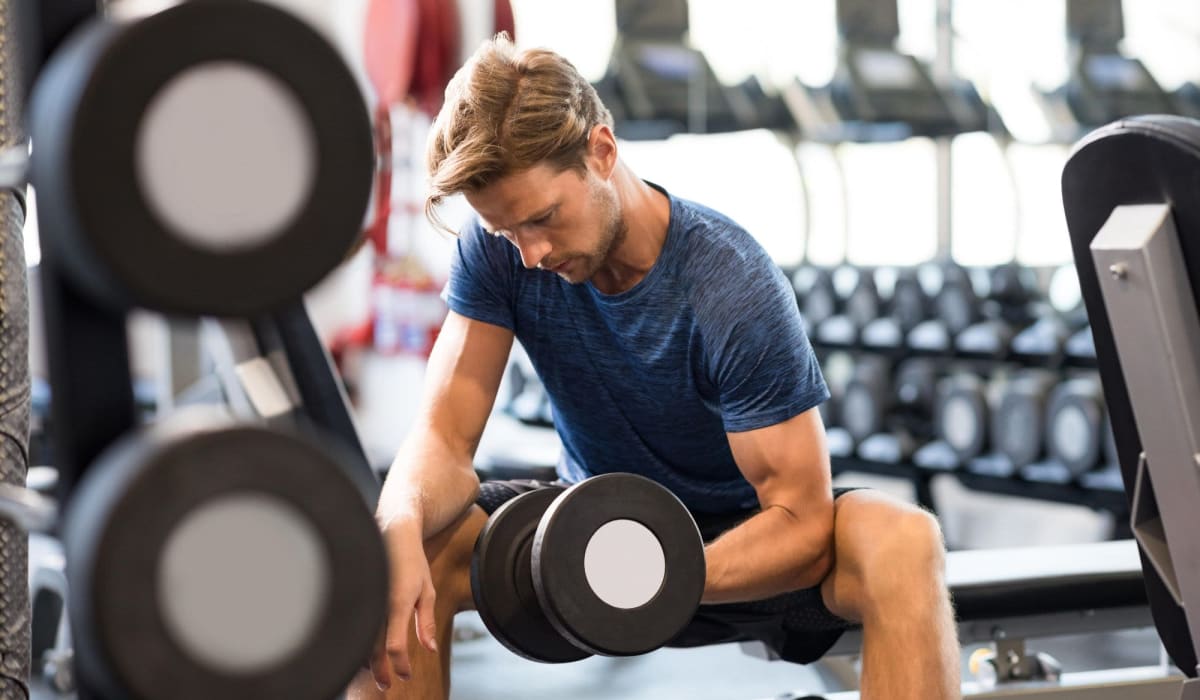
point(796, 626)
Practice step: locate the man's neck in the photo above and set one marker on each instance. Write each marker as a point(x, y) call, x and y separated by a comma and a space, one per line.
point(647, 213)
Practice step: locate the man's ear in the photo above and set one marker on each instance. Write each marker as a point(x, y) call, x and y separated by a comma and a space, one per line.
point(602, 151)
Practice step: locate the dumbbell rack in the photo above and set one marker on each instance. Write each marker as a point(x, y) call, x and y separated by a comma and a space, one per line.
point(1101, 489)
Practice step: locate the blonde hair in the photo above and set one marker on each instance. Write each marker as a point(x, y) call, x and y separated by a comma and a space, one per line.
point(507, 111)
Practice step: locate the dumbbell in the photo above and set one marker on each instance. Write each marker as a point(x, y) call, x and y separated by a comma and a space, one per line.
point(883, 410)
point(855, 288)
point(1075, 419)
point(1018, 423)
point(815, 295)
point(963, 413)
point(907, 306)
point(1005, 306)
point(837, 367)
point(613, 565)
point(1047, 335)
point(867, 398)
point(915, 383)
point(956, 306)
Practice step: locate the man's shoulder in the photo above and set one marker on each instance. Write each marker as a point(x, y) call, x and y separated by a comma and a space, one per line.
point(720, 260)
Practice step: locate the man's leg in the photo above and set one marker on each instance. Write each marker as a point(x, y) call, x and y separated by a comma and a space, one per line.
point(449, 555)
point(888, 574)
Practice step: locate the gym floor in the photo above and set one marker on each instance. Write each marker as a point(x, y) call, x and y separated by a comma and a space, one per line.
point(485, 670)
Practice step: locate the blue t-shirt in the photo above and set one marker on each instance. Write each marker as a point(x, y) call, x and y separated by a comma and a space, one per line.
point(649, 380)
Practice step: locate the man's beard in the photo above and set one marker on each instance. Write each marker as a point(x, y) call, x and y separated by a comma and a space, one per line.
point(615, 231)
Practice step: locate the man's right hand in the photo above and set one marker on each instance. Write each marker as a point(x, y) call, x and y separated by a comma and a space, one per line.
point(410, 604)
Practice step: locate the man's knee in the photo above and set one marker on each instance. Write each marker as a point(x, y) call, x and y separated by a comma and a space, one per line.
point(888, 544)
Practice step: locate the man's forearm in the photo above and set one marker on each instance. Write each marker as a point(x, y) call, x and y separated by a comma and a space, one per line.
point(429, 485)
point(771, 553)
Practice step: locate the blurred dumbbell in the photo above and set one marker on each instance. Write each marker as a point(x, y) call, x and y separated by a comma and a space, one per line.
point(815, 295)
point(898, 407)
point(906, 303)
point(1009, 291)
point(915, 383)
point(1018, 423)
point(963, 413)
point(859, 301)
point(955, 307)
point(837, 367)
point(1075, 419)
point(1062, 315)
point(868, 397)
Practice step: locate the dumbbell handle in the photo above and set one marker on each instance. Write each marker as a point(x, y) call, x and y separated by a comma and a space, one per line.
point(27, 509)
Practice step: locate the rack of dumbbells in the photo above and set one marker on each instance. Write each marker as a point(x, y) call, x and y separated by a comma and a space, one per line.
point(988, 374)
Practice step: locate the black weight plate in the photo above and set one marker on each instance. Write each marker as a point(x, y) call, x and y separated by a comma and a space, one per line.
point(561, 581)
point(87, 117)
point(134, 499)
point(502, 583)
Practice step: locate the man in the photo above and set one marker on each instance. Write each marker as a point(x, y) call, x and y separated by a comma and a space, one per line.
point(670, 346)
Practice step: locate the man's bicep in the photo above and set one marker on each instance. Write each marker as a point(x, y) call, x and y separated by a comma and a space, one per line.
point(463, 376)
point(787, 463)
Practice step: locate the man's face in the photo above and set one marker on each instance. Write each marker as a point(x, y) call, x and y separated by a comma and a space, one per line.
point(562, 222)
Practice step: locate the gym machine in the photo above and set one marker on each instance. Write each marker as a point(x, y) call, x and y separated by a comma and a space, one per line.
point(206, 555)
point(1104, 83)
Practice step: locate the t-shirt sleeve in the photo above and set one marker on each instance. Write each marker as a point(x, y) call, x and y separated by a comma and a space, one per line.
point(762, 364)
point(480, 285)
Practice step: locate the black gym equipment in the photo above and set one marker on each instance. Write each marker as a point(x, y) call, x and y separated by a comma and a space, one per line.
point(661, 84)
point(879, 93)
point(147, 508)
point(502, 581)
point(1145, 161)
point(153, 607)
point(97, 91)
point(1104, 83)
point(663, 543)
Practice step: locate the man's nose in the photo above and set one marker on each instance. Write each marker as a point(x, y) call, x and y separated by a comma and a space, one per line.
point(533, 251)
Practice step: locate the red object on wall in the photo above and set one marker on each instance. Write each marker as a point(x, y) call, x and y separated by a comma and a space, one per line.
point(504, 18)
point(437, 52)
